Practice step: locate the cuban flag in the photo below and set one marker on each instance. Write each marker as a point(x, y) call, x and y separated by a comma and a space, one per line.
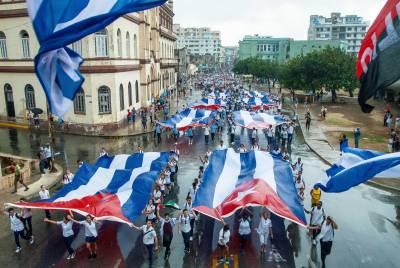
point(356, 166)
point(257, 120)
point(209, 104)
point(108, 193)
point(60, 23)
point(189, 118)
point(235, 180)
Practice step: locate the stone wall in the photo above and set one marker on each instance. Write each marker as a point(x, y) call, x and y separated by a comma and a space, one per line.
point(27, 166)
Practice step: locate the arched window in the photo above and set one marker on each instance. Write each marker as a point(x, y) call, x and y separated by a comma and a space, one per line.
point(30, 97)
point(128, 45)
point(79, 102)
point(3, 46)
point(26, 53)
point(137, 91)
point(130, 98)
point(119, 43)
point(77, 47)
point(135, 47)
point(104, 100)
point(101, 43)
point(121, 97)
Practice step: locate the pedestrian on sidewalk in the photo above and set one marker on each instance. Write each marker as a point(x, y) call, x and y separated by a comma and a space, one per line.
point(17, 176)
point(184, 228)
point(357, 136)
point(308, 121)
point(128, 116)
point(45, 194)
point(18, 228)
point(326, 235)
point(223, 243)
point(26, 217)
point(149, 238)
point(343, 143)
point(290, 131)
point(167, 232)
point(90, 234)
point(67, 233)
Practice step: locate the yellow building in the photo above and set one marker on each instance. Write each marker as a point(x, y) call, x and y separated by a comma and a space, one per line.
point(126, 65)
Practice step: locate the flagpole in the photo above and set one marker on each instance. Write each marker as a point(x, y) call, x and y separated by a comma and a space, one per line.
point(50, 134)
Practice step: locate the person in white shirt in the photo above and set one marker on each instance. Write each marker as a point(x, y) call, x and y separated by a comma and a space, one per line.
point(44, 194)
point(264, 231)
point(206, 133)
point(244, 227)
point(68, 177)
point(317, 218)
point(326, 235)
point(67, 232)
point(17, 227)
point(185, 228)
point(167, 232)
point(157, 196)
point(223, 240)
point(290, 133)
point(150, 211)
point(26, 217)
point(189, 206)
point(299, 183)
point(90, 234)
point(270, 136)
point(149, 238)
point(103, 152)
point(221, 145)
point(242, 149)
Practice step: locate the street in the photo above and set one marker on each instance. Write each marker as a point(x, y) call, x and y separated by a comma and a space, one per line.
point(368, 218)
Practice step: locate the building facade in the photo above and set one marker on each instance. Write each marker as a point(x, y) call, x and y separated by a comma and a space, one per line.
point(349, 28)
point(127, 64)
point(199, 41)
point(281, 49)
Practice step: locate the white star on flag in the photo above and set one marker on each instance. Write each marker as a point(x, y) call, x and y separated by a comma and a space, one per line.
point(242, 195)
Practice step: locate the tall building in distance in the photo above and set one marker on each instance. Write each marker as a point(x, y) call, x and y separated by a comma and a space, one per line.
point(199, 41)
point(281, 49)
point(127, 64)
point(349, 28)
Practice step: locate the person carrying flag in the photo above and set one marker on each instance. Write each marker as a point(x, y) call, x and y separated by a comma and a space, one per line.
point(185, 228)
point(149, 238)
point(90, 234)
point(167, 232)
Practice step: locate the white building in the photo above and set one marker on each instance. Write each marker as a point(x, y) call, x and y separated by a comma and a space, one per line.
point(350, 28)
point(199, 41)
point(126, 65)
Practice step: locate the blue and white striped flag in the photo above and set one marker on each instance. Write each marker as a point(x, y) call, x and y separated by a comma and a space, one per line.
point(256, 120)
point(357, 166)
point(60, 23)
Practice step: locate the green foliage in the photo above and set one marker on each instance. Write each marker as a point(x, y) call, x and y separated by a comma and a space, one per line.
point(330, 69)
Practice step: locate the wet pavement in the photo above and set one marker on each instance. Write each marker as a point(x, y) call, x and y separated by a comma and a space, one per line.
point(368, 218)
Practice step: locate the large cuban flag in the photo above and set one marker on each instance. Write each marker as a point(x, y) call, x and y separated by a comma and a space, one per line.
point(107, 192)
point(189, 118)
point(356, 166)
point(256, 120)
point(209, 104)
point(60, 23)
point(235, 180)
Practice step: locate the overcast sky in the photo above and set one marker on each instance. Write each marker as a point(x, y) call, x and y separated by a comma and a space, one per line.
point(278, 18)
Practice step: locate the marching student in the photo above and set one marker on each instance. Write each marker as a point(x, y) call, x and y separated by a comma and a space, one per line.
point(67, 232)
point(185, 228)
point(223, 241)
point(244, 227)
point(149, 238)
point(44, 194)
point(265, 231)
point(167, 232)
point(26, 217)
point(90, 234)
point(18, 228)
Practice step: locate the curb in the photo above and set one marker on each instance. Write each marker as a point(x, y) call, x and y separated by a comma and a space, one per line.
point(13, 125)
point(369, 183)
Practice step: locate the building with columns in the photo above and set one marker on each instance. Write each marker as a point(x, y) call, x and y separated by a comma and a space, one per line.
point(126, 66)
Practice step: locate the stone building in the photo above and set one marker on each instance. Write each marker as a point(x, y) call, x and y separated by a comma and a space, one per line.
point(127, 64)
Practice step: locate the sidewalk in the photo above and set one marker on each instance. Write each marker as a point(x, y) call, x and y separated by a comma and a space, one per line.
point(320, 145)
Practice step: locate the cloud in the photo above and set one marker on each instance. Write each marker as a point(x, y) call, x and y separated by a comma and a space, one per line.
point(284, 18)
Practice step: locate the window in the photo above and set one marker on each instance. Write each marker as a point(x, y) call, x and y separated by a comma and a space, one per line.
point(130, 99)
point(3, 46)
point(104, 100)
point(101, 43)
point(30, 97)
point(77, 47)
point(119, 43)
point(137, 91)
point(121, 97)
point(79, 102)
point(128, 45)
point(26, 53)
point(135, 47)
